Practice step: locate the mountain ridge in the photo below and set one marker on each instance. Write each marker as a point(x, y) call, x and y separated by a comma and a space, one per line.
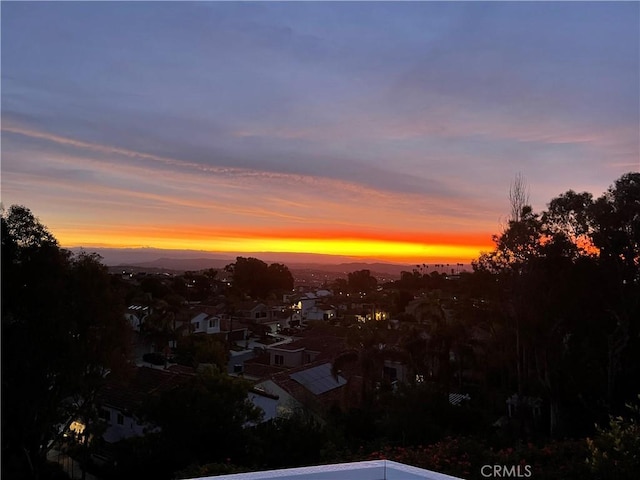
point(192, 260)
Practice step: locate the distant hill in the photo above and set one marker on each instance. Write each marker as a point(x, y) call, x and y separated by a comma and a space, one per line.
point(182, 264)
point(191, 260)
point(152, 257)
point(198, 259)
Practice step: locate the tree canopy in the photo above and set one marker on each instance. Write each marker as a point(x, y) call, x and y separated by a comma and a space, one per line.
point(570, 293)
point(361, 281)
point(200, 420)
point(255, 278)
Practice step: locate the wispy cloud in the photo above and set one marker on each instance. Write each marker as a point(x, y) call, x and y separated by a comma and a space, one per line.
point(342, 117)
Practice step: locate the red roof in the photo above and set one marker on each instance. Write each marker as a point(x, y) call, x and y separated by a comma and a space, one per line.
point(341, 396)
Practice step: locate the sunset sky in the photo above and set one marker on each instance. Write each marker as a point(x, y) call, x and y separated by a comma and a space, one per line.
point(381, 130)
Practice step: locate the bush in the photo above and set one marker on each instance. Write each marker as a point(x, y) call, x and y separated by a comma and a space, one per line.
point(465, 456)
point(615, 452)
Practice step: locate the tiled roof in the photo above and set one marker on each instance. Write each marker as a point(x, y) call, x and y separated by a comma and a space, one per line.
point(200, 317)
point(181, 369)
point(127, 391)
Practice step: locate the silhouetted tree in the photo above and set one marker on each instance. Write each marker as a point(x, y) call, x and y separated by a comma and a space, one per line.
point(201, 421)
point(569, 286)
point(255, 278)
point(280, 277)
point(362, 281)
point(63, 327)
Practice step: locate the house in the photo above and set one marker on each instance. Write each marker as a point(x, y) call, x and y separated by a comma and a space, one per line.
point(205, 323)
point(304, 351)
point(321, 312)
point(258, 368)
point(234, 331)
point(121, 397)
point(314, 386)
point(136, 315)
point(302, 303)
point(255, 312)
point(295, 319)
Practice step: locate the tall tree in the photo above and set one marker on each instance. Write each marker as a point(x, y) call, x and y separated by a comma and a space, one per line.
point(518, 197)
point(617, 236)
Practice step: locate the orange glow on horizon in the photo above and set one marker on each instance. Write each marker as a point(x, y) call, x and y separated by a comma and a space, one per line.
point(397, 247)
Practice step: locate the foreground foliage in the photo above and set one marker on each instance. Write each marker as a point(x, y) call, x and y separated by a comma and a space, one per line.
point(62, 328)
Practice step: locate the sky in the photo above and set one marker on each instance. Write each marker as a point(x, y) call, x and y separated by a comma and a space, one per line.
point(381, 130)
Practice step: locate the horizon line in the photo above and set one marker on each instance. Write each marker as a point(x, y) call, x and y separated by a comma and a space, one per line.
point(284, 257)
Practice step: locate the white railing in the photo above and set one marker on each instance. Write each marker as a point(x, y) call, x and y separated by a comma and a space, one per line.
point(369, 470)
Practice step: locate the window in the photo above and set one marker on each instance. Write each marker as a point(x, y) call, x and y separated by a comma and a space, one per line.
point(278, 359)
point(196, 326)
point(120, 419)
point(105, 414)
point(212, 323)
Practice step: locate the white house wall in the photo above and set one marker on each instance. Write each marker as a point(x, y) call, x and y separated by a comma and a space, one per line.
point(116, 432)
